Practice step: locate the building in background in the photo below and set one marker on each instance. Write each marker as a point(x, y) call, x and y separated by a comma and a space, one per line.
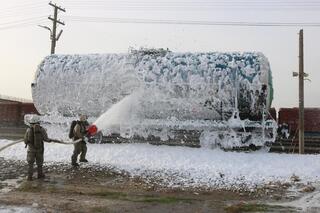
point(12, 110)
point(290, 117)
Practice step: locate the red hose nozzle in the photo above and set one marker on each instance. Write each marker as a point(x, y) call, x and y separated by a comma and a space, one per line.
point(92, 130)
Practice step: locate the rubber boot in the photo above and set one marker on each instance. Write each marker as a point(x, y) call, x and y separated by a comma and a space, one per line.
point(75, 165)
point(40, 173)
point(74, 161)
point(83, 153)
point(30, 172)
point(84, 160)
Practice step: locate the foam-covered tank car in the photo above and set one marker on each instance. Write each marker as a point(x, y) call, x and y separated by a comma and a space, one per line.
point(210, 86)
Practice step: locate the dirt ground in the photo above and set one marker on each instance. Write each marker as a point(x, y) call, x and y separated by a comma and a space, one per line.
point(97, 189)
point(94, 189)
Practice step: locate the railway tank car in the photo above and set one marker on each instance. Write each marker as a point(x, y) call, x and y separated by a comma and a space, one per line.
point(223, 90)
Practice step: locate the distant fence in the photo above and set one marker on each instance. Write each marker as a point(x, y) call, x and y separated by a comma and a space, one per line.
point(12, 113)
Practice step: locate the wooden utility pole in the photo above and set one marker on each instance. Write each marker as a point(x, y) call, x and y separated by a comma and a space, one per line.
point(301, 94)
point(54, 38)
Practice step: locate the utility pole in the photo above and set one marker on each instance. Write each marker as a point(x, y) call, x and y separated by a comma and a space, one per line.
point(301, 94)
point(53, 32)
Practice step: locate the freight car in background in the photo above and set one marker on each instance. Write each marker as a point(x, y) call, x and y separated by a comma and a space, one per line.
point(290, 117)
point(12, 111)
point(288, 131)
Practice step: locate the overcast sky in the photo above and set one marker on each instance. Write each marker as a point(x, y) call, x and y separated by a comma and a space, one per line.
point(23, 44)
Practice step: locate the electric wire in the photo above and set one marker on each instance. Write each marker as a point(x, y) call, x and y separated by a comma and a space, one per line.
point(24, 13)
point(22, 25)
point(162, 5)
point(198, 3)
point(197, 6)
point(185, 22)
point(184, 9)
point(168, 4)
point(19, 7)
point(23, 22)
point(194, 1)
point(192, 7)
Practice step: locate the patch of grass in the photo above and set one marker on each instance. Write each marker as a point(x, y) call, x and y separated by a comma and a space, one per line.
point(101, 209)
point(52, 189)
point(255, 207)
point(164, 200)
point(29, 187)
point(37, 187)
point(140, 198)
point(246, 207)
point(110, 194)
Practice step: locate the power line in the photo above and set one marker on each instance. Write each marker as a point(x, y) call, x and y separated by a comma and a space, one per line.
point(21, 25)
point(182, 22)
point(247, 7)
point(183, 9)
point(196, 4)
point(199, 5)
point(137, 4)
point(17, 7)
point(195, 1)
point(22, 9)
point(170, 3)
point(194, 7)
point(22, 12)
point(23, 20)
point(18, 26)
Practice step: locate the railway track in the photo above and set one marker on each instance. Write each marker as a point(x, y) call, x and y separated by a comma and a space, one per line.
point(311, 145)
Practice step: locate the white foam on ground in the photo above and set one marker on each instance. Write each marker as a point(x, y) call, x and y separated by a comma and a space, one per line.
point(188, 167)
point(307, 203)
point(303, 201)
point(16, 209)
point(10, 184)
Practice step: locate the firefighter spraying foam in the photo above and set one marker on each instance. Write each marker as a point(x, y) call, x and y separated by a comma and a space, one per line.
point(80, 131)
point(36, 135)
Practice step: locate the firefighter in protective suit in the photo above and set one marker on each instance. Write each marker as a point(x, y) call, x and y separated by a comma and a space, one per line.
point(34, 138)
point(79, 132)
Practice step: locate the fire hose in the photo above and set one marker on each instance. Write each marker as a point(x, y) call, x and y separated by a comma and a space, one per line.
point(52, 140)
point(91, 131)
